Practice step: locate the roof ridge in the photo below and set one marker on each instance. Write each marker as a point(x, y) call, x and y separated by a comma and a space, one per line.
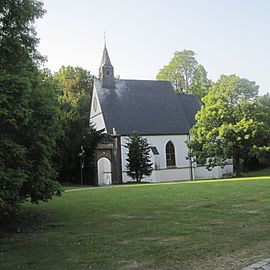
point(143, 80)
point(138, 80)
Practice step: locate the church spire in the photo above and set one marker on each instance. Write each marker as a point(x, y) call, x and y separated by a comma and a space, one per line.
point(105, 58)
point(106, 72)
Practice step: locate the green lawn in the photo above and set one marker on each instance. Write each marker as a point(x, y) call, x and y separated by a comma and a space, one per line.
point(198, 225)
point(263, 172)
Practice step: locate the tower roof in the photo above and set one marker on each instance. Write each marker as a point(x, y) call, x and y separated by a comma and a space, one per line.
point(105, 61)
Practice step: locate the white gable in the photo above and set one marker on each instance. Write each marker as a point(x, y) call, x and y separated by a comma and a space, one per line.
point(96, 114)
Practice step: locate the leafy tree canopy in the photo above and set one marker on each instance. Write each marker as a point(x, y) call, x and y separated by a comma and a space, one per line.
point(185, 74)
point(226, 125)
point(28, 110)
point(18, 38)
point(74, 93)
point(261, 150)
point(263, 109)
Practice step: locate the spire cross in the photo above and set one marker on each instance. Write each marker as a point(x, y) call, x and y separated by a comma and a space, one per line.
point(105, 38)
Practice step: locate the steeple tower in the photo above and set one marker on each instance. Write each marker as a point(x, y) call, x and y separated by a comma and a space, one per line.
point(106, 73)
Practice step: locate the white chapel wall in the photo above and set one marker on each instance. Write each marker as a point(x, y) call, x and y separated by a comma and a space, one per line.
point(181, 171)
point(162, 173)
point(217, 172)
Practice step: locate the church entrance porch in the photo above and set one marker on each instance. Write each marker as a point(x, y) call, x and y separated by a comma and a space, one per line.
point(108, 161)
point(104, 171)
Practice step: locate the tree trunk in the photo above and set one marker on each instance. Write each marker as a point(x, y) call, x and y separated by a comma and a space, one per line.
point(137, 177)
point(237, 166)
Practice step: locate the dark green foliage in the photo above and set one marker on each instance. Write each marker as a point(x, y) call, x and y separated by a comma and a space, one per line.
point(185, 74)
point(18, 36)
point(89, 144)
point(138, 161)
point(263, 109)
point(227, 126)
point(74, 88)
point(28, 110)
point(44, 129)
point(261, 150)
point(14, 117)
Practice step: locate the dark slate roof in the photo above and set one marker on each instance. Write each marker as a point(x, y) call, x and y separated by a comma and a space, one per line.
point(149, 107)
point(191, 105)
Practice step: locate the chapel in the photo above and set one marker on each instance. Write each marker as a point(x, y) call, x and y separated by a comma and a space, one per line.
point(158, 113)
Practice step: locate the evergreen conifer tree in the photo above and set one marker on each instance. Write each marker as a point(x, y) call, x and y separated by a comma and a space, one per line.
point(138, 161)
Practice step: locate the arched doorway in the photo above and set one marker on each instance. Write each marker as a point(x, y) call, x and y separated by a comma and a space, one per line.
point(104, 171)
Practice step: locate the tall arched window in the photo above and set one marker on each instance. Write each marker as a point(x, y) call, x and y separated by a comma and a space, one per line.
point(170, 154)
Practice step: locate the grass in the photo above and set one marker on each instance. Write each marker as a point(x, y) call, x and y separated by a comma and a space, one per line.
point(203, 225)
point(263, 172)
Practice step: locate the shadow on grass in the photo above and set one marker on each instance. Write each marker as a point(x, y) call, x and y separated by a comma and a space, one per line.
point(25, 220)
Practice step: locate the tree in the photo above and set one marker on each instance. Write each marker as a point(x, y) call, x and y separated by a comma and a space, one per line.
point(201, 84)
point(185, 74)
point(226, 124)
point(138, 161)
point(263, 109)
point(28, 110)
point(90, 141)
point(74, 90)
point(40, 138)
point(261, 150)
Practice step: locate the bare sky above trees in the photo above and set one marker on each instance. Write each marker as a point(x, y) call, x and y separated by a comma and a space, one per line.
point(228, 36)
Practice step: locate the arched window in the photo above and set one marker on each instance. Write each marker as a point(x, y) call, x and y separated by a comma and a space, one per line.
point(170, 154)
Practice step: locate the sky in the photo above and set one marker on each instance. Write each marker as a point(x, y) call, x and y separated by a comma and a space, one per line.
point(228, 36)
